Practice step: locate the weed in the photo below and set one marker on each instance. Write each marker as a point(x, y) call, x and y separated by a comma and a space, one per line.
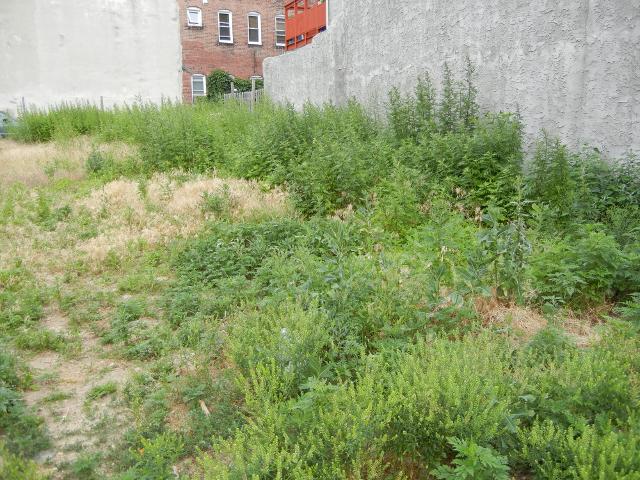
point(13, 467)
point(85, 467)
point(100, 391)
point(56, 397)
point(473, 461)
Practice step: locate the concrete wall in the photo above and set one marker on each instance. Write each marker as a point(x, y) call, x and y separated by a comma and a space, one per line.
point(62, 50)
point(569, 66)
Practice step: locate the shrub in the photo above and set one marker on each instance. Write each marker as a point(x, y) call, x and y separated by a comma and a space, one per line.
point(21, 299)
point(550, 345)
point(293, 340)
point(473, 462)
point(85, 466)
point(579, 271)
point(630, 310)
point(553, 452)
point(21, 433)
point(450, 389)
point(156, 457)
point(218, 83)
point(124, 320)
point(231, 250)
point(98, 162)
point(331, 432)
point(587, 387)
point(41, 340)
point(13, 467)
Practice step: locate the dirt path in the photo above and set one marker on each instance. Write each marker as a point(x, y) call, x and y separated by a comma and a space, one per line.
point(77, 424)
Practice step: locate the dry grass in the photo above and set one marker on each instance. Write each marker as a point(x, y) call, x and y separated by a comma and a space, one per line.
point(125, 213)
point(164, 209)
point(37, 164)
point(526, 322)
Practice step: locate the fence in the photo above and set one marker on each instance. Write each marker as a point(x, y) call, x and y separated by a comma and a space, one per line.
point(250, 97)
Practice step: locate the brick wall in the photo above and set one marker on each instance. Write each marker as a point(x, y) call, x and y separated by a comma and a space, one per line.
point(202, 52)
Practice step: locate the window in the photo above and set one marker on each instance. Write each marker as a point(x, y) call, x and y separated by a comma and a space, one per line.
point(280, 31)
point(255, 29)
point(198, 86)
point(225, 26)
point(194, 17)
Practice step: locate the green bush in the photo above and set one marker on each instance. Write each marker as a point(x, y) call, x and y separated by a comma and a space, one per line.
point(22, 434)
point(294, 341)
point(553, 452)
point(450, 389)
point(579, 270)
point(630, 310)
point(588, 387)
point(156, 457)
point(231, 250)
point(550, 345)
point(473, 462)
point(13, 467)
point(98, 162)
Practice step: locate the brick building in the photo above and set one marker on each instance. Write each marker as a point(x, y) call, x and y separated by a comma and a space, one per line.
point(233, 35)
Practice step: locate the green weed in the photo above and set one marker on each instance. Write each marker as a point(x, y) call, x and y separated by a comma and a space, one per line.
point(101, 391)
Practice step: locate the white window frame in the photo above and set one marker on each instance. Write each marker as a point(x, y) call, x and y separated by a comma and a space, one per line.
point(196, 10)
point(284, 32)
point(249, 15)
point(204, 84)
point(226, 12)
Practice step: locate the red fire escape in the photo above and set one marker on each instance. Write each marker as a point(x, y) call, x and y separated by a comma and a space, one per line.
point(304, 20)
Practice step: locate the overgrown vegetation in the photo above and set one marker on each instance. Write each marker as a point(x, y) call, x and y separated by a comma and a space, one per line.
point(359, 336)
point(220, 82)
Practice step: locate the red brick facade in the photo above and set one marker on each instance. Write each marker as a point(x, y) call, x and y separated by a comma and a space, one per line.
point(202, 50)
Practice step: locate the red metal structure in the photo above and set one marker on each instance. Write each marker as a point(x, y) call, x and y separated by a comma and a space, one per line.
point(304, 19)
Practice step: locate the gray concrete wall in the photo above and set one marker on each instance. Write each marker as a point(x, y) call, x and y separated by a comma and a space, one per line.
point(62, 50)
point(571, 67)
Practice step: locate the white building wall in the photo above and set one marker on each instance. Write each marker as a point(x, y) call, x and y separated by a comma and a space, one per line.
point(571, 67)
point(54, 51)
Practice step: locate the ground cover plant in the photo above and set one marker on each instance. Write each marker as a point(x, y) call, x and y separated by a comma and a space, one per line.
point(208, 292)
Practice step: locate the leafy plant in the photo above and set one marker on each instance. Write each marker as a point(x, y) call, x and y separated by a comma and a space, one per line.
point(473, 462)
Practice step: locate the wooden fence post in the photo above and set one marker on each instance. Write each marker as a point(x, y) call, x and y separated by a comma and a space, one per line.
point(253, 93)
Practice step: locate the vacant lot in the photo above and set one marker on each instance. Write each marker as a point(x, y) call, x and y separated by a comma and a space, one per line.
point(209, 293)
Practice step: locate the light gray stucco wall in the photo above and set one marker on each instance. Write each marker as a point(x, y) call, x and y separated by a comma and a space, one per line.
point(62, 50)
point(571, 67)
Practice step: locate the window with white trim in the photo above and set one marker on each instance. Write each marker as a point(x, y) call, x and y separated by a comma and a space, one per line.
point(255, 29)
point(198, 86)
point(280, 31)
point(194, 17)
point(225, 26)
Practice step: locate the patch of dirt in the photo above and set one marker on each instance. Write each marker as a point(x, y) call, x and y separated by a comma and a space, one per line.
point(55, 321)
point(75, 424)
